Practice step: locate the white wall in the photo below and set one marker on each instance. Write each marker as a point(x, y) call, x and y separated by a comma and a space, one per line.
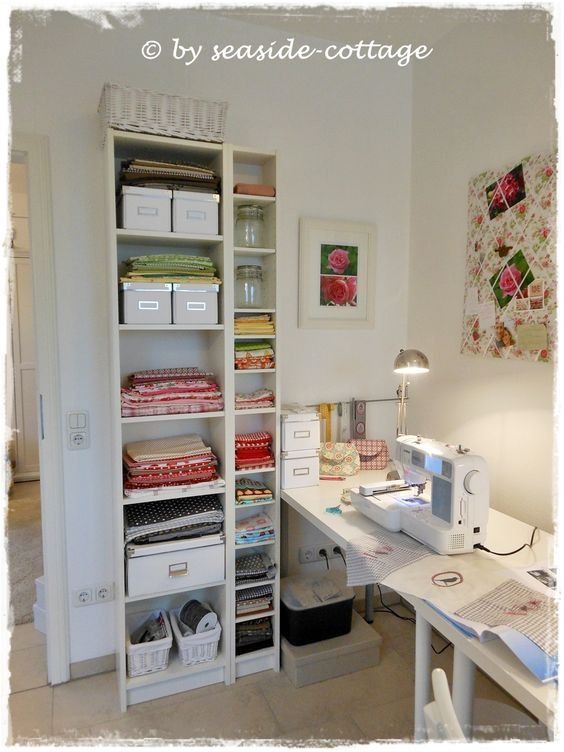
point(343, 135)
point(484, 100)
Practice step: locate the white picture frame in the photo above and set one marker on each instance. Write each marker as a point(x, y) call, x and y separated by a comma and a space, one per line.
point(336, 274)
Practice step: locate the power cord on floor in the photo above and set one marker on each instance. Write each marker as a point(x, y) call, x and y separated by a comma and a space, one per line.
point(509, 553)
point(386, 609)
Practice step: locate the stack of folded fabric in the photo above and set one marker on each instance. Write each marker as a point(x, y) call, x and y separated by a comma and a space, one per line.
point(253, 635)
point(259, 398)
point(156, 521)
point(157, 465)
point(249, 491)
point(254, 189)
point(253, 451)
point(259, 323)
point(170, 267)
point(258, 528)
point(253, 354)
point(169, 391)
point(170, 175)
point(253, 600)
point(254, 567)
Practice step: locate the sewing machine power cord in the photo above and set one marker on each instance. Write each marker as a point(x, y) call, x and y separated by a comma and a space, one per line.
point(509, 553)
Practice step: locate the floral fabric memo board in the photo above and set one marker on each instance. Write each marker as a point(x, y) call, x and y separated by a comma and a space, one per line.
point(510, 297)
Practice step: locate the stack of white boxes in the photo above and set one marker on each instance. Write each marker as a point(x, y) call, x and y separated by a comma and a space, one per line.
point(300, 449)
point(160, 210)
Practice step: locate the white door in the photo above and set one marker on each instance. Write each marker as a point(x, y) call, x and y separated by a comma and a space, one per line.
point(25, 442)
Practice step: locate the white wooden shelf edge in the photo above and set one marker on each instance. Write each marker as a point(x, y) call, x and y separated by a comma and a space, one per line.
point(139, 598)
point(173, 416)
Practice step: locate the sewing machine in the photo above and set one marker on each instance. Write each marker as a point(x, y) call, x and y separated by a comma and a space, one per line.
point(441, 500)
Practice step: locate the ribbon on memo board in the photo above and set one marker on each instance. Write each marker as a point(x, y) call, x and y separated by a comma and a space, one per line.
point(510, 295)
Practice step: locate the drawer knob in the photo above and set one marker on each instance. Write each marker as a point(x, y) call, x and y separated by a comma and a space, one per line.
point(178, 570)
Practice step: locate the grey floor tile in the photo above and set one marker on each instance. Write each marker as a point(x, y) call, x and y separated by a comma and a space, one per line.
point(85, 702)
point(28, 668)
point(339, 730)
point(26, 636)
point(392, 720)
point(31, 714)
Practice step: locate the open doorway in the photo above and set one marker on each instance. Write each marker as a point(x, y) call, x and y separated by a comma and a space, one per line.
point(35, 520)
point(24, 537)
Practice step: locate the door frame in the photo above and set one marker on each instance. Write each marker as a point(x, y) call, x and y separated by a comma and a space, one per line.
point(53, 525)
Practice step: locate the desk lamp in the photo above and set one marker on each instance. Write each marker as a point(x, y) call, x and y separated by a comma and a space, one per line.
point(407, 362)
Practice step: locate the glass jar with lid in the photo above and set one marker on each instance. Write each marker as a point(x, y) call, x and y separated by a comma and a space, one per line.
point(248, 286)
point(249, 227)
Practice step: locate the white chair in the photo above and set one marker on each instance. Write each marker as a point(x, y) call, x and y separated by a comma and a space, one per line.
point(440, 719)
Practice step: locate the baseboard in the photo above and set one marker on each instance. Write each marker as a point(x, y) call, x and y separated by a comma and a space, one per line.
point(92, 666)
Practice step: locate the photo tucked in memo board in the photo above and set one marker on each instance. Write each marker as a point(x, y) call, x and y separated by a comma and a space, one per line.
point(510, 296)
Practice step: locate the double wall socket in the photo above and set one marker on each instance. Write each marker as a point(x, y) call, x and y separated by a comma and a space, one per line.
point(313, 553)
point(87, 596)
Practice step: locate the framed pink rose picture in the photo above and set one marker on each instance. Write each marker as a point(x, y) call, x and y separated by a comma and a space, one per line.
point(336, 274)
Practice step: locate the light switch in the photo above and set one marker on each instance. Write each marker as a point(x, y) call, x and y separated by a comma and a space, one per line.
point(78, 436)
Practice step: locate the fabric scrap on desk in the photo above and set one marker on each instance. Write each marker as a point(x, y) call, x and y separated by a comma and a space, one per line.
point(372, 557)
point(513, 605)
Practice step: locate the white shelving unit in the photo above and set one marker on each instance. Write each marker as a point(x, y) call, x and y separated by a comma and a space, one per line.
point(137, 347)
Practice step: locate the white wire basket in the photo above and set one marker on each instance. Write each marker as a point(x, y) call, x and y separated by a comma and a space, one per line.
point(144, 111)
point(195, 648)
point(147, 657)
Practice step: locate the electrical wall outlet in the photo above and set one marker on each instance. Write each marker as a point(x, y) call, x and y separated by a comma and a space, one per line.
point(87, 596)
point(104, 593)
point(82, 597)
point(307, 554)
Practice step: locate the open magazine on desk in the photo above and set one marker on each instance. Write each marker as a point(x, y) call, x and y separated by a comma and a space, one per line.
point(543, 663)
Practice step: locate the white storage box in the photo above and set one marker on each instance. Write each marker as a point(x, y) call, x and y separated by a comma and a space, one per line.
point(145, 208)
point(300, 469)
point(147, 657)
point(195, 648)
point(300, 431)
point(327, 659)
point(40, 592)
point(145, 303)
point(195, 212)
point(174, 565)
point(39, 618)
point(194, 303)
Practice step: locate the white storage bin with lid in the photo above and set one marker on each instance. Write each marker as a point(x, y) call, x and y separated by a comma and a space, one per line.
point(300, 431)
point(195, 212)
point(147, 657)
point(194, 303)
point(174, 565)
point(300, 468)
point(145, 208)
point(145, 303)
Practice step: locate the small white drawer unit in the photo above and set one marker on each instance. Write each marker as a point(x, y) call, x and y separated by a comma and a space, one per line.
point(300, 468)
point(145, 209)
point(145, 303)
point(174, 565)
point(195, 212)
point(300, 431)
point(194, 303)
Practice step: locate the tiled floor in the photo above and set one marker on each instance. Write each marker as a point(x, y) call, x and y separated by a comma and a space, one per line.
point(374, 704)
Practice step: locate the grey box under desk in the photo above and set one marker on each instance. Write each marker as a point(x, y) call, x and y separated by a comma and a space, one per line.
point(327, 659)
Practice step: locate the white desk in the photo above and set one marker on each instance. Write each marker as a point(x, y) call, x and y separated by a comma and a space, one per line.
point(494, 658)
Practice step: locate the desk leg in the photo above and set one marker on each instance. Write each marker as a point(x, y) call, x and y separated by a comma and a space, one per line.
point(369, 603)
point(422, 674)
point(463, 678)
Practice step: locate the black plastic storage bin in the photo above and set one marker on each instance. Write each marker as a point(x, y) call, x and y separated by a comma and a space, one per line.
point(315, 607)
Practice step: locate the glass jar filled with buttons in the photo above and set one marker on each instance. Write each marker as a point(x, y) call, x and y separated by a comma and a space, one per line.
point(248, 286)
point(249, 227)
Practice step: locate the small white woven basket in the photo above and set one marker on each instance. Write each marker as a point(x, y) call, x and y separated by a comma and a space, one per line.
point(195, 648)
point(144, 111)
point(147, 657)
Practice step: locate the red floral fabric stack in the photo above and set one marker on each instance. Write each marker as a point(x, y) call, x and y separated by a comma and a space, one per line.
point(169, 391)
point(253, 451)
point(162, 463)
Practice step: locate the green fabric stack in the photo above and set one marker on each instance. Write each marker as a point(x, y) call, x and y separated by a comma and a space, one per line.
point(170, 267)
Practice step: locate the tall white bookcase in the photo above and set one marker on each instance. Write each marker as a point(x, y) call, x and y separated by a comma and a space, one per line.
point(139, 347)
